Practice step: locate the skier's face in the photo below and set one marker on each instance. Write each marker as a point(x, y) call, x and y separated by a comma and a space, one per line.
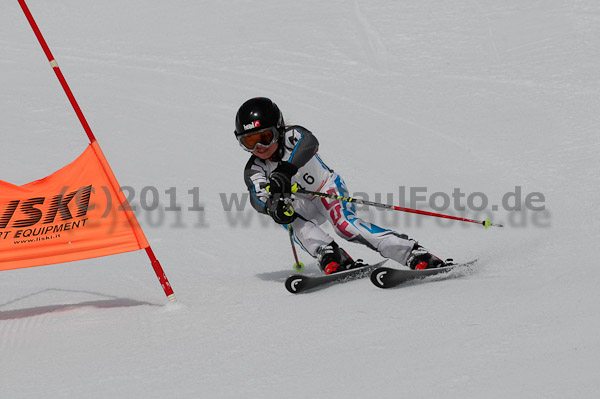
point(266, 152)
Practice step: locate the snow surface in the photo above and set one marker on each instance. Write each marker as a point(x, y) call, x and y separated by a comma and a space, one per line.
point(477, 95)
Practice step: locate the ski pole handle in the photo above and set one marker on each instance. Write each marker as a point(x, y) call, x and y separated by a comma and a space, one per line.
point(297, 190)
point(289, 209)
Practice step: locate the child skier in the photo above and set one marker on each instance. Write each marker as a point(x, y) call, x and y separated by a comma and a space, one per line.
point(286, 155)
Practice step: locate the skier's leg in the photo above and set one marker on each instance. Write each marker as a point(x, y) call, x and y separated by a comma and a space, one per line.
point(307, 232)
point(315, 240)
point(349, 226)
point(309, 236)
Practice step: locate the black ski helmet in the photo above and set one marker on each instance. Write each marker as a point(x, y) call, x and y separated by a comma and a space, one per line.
point(257, 114)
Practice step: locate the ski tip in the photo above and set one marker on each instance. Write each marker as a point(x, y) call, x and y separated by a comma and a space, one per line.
point(378, 277)
point(294, 284)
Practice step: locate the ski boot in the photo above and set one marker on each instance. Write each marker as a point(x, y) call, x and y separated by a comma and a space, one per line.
point(333, 259)
point(420, 258)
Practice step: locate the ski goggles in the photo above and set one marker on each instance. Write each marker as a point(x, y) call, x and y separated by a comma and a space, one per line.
point(263, 138)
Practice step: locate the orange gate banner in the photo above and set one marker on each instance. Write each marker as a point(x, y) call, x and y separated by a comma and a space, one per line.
point(75, 213)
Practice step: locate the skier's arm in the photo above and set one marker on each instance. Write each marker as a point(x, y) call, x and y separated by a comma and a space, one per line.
point(300, 146)
point(255, 178)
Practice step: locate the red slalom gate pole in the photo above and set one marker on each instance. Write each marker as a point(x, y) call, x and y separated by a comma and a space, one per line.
point(162, 277)
point(57, 71)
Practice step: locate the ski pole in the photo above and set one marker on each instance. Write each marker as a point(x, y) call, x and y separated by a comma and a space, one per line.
point(298, 266)
point(297, 190)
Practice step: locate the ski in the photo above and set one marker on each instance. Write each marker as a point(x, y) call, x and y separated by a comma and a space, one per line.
point(387, 277)
point(298, 283)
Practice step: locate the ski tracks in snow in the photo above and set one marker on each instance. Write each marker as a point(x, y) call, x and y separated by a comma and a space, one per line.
point(15, 330)
point(377, 53)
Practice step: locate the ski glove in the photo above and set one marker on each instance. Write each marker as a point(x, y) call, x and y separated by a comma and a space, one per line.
point(280, 180)
point(281, 210)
